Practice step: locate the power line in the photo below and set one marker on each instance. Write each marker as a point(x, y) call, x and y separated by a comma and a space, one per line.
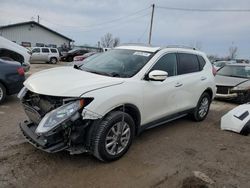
point(102, 23)
point(121, 24)
point(203, 10)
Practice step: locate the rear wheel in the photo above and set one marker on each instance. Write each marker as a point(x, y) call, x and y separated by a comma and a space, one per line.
point(2, 93)
point(113, 136)
point(202, 108)
point(70, 59)
point(53, 60)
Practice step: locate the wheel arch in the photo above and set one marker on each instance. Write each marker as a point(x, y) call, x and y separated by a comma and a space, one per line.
point(7, 90)
point(210, 92)
point(133, 111)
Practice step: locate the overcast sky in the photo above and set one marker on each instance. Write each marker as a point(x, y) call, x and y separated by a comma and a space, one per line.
point(86, 21)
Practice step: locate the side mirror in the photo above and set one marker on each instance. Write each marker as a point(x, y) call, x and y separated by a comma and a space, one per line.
point(157, 75)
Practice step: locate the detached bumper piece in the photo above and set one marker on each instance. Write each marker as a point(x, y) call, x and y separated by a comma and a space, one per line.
point(237, 120)
point(51, 144)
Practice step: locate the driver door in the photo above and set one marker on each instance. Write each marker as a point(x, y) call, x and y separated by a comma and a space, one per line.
point(161, 97)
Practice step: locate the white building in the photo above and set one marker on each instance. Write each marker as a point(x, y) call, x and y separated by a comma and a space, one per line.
point(30, 34)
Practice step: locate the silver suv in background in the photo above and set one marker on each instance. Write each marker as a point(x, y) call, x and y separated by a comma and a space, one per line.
point(48, 55)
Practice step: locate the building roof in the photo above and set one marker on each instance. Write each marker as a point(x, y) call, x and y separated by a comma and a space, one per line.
point(35, 23)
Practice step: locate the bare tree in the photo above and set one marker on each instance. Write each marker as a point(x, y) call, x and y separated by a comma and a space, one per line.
point(233, 52)
point(107, 41)
point(116, 42)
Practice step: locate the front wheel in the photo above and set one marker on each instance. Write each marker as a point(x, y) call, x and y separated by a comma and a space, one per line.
point(202, 108)
point(113, 136)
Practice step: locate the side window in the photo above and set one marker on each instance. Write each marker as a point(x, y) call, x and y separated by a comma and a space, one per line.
point(53, 50)
point(201, 61)
point(188, 63)
point(45, 50)
point(36, 50)
point(167, 63)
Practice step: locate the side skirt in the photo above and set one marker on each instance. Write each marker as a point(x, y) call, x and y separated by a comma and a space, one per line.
point(164, 120)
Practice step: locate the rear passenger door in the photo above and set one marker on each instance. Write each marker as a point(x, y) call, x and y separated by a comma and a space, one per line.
point(189, 80)
point(45, 54)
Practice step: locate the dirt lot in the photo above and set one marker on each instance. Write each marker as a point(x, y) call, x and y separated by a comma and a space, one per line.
point(165, 156)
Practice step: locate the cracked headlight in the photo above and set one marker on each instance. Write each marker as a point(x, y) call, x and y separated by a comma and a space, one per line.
point(58, 116)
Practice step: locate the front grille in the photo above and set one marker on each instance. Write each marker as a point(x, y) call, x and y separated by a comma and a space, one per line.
point(223, 89)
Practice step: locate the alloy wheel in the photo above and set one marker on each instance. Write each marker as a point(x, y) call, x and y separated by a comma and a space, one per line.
point(204, 105)
point(117, 138)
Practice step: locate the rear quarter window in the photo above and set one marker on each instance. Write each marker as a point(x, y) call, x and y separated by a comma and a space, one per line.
point(188, 63)
point(53, 50)
point(201, 61)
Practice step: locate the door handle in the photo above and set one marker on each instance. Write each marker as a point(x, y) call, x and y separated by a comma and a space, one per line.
point(203, 78)
point(178, 84)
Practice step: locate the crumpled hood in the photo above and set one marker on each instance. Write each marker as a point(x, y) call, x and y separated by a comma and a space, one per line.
point(67, 82)
point(229, 81)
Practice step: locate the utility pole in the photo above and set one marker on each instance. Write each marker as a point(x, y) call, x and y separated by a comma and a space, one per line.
point(151, 24)
point(38, 19)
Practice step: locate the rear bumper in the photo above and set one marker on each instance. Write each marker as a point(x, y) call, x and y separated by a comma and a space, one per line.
point(51, 144)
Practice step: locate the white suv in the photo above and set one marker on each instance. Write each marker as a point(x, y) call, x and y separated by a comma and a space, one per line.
point(45, 54)
point(100, 106)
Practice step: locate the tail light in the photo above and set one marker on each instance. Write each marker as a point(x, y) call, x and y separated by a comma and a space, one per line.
point(78, 58)
point(20, 71)
point(214, 71)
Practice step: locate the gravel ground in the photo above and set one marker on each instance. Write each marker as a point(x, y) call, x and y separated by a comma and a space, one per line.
point(165, 156)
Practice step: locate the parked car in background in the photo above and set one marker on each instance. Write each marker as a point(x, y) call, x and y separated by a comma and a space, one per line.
point(100, 106)
point(86, 58)
point(45, 54)
point(69, 56)
point(220, 64)
point(233, 82)
point(13, 52)
point(11, 78)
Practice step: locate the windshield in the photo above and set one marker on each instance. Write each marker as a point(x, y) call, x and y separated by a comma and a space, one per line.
point(235, 71)
point(73, 50)
point(118, 63)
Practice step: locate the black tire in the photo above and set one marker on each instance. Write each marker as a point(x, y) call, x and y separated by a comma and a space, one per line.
point(70, 59)
point(197, 116)
point(103, 129)
point(2, 93)
point(53, 60)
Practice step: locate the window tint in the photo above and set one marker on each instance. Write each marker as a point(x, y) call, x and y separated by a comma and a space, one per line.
point(167, 63)
point(45, 50)
point(36, 50)
point(53, 50)
point(201, 61)
point(188, 63)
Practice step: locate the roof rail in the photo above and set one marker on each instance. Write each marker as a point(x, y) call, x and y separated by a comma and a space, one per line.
point(136, 44)
point(180, 46)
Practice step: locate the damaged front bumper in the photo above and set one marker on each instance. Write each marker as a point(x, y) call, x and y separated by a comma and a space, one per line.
point(51, 143)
